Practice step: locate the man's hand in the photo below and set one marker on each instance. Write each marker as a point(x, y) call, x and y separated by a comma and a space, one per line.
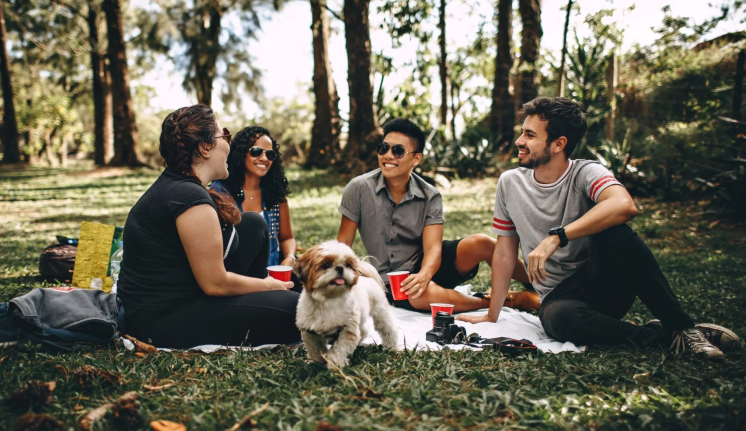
point(538, 258)
point(415, 284)
point(475, 319)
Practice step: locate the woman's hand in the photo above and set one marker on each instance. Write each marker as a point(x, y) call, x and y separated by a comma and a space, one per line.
point(476, 319)
point(288, 261)
point(275, 284)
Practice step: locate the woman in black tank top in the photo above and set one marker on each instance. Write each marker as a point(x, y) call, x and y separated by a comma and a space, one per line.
point(194, 269)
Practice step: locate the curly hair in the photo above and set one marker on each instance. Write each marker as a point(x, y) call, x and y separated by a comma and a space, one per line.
point(183, 133)
point(274, 185)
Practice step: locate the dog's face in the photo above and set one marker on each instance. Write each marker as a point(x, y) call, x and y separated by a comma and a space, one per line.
point(327, 270)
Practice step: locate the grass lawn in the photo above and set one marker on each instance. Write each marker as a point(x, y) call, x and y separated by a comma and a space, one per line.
point(617, 388)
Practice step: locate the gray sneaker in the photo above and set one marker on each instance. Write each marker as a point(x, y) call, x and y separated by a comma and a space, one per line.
point(720, 337)
point(694, 340)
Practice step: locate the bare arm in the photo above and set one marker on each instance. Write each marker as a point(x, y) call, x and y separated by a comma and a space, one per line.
point(614, 207)
point(347, 231)
point(199, 230)
point(432, 244)
point(504, 260)
point(287, 240)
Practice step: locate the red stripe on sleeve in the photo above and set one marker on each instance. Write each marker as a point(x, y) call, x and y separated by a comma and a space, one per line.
point(497, 226)
point(504, 222)
point(596, 183)
point(598, 186)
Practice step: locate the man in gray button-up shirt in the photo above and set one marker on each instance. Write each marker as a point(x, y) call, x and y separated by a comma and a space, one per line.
point(400, 218)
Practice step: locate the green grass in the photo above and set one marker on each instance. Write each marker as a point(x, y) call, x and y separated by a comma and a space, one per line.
point(617, 388)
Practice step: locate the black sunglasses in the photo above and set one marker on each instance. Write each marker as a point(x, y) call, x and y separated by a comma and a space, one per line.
point(257, 152)
point(226, 135)
point(397, 150)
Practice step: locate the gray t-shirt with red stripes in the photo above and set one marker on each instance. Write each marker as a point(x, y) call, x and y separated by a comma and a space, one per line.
point(529, 209)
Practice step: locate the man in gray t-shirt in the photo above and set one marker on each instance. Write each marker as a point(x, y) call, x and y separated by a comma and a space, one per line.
point(585, 262)
point(400, 219)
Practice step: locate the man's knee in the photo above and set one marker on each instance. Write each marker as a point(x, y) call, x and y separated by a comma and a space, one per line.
point(565, 320)
point(479, 244)
point(615, 235)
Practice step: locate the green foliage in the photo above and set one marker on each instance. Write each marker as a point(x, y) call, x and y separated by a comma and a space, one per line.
point(605, 388)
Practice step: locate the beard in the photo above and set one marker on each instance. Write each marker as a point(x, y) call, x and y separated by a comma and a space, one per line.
point(539, 160)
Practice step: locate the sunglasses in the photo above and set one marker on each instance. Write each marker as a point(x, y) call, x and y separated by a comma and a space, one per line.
point(397, 151)
point(257, 152)
point(226, 135)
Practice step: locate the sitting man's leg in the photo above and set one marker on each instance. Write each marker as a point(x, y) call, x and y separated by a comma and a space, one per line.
point(587, 308)
point(460, 261)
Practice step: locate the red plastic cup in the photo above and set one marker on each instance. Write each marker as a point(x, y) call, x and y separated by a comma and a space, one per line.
point(434, 308)
point(280, 272)
point(395, 278)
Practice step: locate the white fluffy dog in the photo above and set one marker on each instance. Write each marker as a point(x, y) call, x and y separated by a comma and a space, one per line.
point(340, 291)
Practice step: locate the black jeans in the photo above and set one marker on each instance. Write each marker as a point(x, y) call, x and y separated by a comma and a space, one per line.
point(252, 319)
point(587, 307)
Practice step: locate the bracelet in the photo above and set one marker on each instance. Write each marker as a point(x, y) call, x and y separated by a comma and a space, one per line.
point(293, 256)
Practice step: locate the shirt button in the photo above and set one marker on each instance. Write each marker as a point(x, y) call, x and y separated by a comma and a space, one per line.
point(392, 255)
point(393, 223)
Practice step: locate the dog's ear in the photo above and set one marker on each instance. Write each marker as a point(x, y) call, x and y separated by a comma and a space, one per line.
point(303, 266)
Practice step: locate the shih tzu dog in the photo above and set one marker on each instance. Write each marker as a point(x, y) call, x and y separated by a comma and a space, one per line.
point(340, 291)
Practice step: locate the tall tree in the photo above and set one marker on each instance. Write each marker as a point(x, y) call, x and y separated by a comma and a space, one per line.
point(325, 132)
point(126, 151)
point(561, 76)
point(502, 114)
point(531, 34)
point(442, 65)
point(11, 153)
point(364, 132)
point(103, 144)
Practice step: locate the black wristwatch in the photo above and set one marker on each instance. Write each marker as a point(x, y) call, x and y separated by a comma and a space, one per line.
point(560, 232)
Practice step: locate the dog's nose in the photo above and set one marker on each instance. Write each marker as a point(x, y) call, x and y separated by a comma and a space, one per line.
point(340, 270)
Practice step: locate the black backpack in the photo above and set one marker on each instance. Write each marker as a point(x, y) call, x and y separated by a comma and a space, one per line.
point(58, 260)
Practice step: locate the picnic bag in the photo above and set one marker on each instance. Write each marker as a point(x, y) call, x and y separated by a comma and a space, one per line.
point(58, 260)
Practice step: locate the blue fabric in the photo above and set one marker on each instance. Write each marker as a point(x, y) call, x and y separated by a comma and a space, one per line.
point(271, 216)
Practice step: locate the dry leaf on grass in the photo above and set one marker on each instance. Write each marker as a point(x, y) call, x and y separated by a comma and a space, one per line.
point(88, 376)
point(248, 419)
point(34, 422)
point(140, 346)
point(167, 426)
point(98, 413)
point(32, 394)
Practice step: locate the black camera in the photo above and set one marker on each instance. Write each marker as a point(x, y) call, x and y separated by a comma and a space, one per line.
point(445, 331)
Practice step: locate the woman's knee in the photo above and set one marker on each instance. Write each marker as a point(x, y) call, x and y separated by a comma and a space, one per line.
point(252, 225)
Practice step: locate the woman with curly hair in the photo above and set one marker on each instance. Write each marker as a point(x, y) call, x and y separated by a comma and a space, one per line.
point(195, 268)
point(257, 182)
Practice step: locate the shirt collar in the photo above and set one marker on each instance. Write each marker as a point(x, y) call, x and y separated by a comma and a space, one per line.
point(413, 189)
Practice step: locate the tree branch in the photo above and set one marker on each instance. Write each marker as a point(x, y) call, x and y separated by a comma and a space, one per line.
point(334, 14)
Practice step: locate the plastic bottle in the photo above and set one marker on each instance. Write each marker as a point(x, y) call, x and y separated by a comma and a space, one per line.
point(116, 265)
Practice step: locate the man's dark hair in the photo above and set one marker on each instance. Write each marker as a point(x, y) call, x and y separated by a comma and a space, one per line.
point(564, 117)
point(408, 128)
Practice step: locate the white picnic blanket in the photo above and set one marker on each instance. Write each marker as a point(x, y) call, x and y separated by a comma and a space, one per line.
point(413, 326)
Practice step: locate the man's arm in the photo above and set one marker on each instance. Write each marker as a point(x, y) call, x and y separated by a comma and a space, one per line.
point(432, 245)
point(347, 231)
point(614, 207)
point(504, 260)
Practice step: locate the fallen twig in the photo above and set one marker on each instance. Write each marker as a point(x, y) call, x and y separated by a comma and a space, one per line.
point(248, 420)
point(159, 387)
point(140, 346)
point(98, 413)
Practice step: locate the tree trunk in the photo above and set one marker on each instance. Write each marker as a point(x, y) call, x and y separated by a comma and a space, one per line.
point(364, 132)
point(204, 51)
point(325, 132)
point(126, 151)
point(738, 85)
point(100, 89)
point(561, 77)
point(530, 41)
point(502, 115)
point(443, 65)
point(11, 152)
point(611, 84)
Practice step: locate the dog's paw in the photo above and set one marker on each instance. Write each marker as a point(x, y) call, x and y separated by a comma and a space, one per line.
point(337, 365)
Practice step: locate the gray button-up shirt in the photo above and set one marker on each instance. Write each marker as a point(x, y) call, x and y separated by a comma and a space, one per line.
point(391, 233)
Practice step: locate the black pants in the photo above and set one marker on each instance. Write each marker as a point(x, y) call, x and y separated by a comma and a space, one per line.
point(253, 319)
point(587, 307)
